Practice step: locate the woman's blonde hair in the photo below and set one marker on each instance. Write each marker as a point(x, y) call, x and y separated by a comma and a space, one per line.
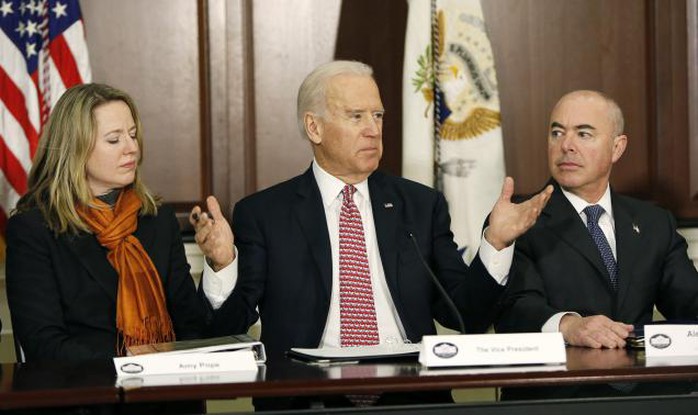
point(57, 181)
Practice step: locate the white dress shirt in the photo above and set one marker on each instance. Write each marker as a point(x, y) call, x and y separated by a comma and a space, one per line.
point(218, 286)
point(607, 225)
point(390, 328)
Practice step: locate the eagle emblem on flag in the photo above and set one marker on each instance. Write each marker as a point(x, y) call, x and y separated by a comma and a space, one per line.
point(465, 90)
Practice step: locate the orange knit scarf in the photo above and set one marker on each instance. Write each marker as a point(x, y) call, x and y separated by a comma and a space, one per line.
point(141, 312)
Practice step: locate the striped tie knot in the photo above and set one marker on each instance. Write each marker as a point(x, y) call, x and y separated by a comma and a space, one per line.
point(348, 193)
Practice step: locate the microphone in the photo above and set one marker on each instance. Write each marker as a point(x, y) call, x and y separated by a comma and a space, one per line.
point(440, 287)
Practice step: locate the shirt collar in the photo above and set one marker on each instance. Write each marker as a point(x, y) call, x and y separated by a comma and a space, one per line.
point(579, 204)
point(331, 187)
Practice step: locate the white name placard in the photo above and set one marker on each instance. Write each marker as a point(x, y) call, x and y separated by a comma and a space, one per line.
point(667, 340)
point(159, 364)
point(492, 349)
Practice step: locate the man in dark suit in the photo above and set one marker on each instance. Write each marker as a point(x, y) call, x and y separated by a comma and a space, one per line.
point(596, 263)
point(567, 276)
point(291, 262)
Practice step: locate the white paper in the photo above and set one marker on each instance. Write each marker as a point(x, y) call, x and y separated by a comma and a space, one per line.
point(216, 344)
point(360, 352)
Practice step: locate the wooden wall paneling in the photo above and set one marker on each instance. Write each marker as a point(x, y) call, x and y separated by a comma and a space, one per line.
point(671, 89)
point(151, 50)
point(623, 71)
point(290, 39)
point(218, 46)
point(250, 116)
point(515, 33)
point(545, 48)
point(232, 130)
point(692, 46)
point(204, 58)
point(373, 32)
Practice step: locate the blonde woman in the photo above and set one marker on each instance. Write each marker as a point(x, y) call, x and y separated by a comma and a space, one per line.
point(94, 263)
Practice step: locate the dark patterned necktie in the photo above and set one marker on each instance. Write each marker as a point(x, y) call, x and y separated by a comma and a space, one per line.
point(593, 213)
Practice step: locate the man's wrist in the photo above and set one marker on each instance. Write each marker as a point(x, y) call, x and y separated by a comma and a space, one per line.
point(216, 266)
point(566, 321)
point(496, 243)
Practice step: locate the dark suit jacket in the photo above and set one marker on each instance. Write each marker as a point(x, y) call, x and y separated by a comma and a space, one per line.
point(557, 267)
point(285, 263)
point(62, 290)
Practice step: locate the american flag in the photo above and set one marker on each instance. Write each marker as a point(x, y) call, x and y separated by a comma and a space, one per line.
point(42, 52)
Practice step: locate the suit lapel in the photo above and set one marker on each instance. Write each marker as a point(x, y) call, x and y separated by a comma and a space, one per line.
point(145, 233)
point(311, 216)
point(564, 221)
point(93, 257)
point(628, 245)
point(386, 209)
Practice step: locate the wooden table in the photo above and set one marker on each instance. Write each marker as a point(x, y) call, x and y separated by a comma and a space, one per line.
point(284, 377)
point(58, 384)
point(94, 383)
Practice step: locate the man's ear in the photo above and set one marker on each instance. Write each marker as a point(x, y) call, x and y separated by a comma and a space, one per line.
point(313, 127)
point(619, 144)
